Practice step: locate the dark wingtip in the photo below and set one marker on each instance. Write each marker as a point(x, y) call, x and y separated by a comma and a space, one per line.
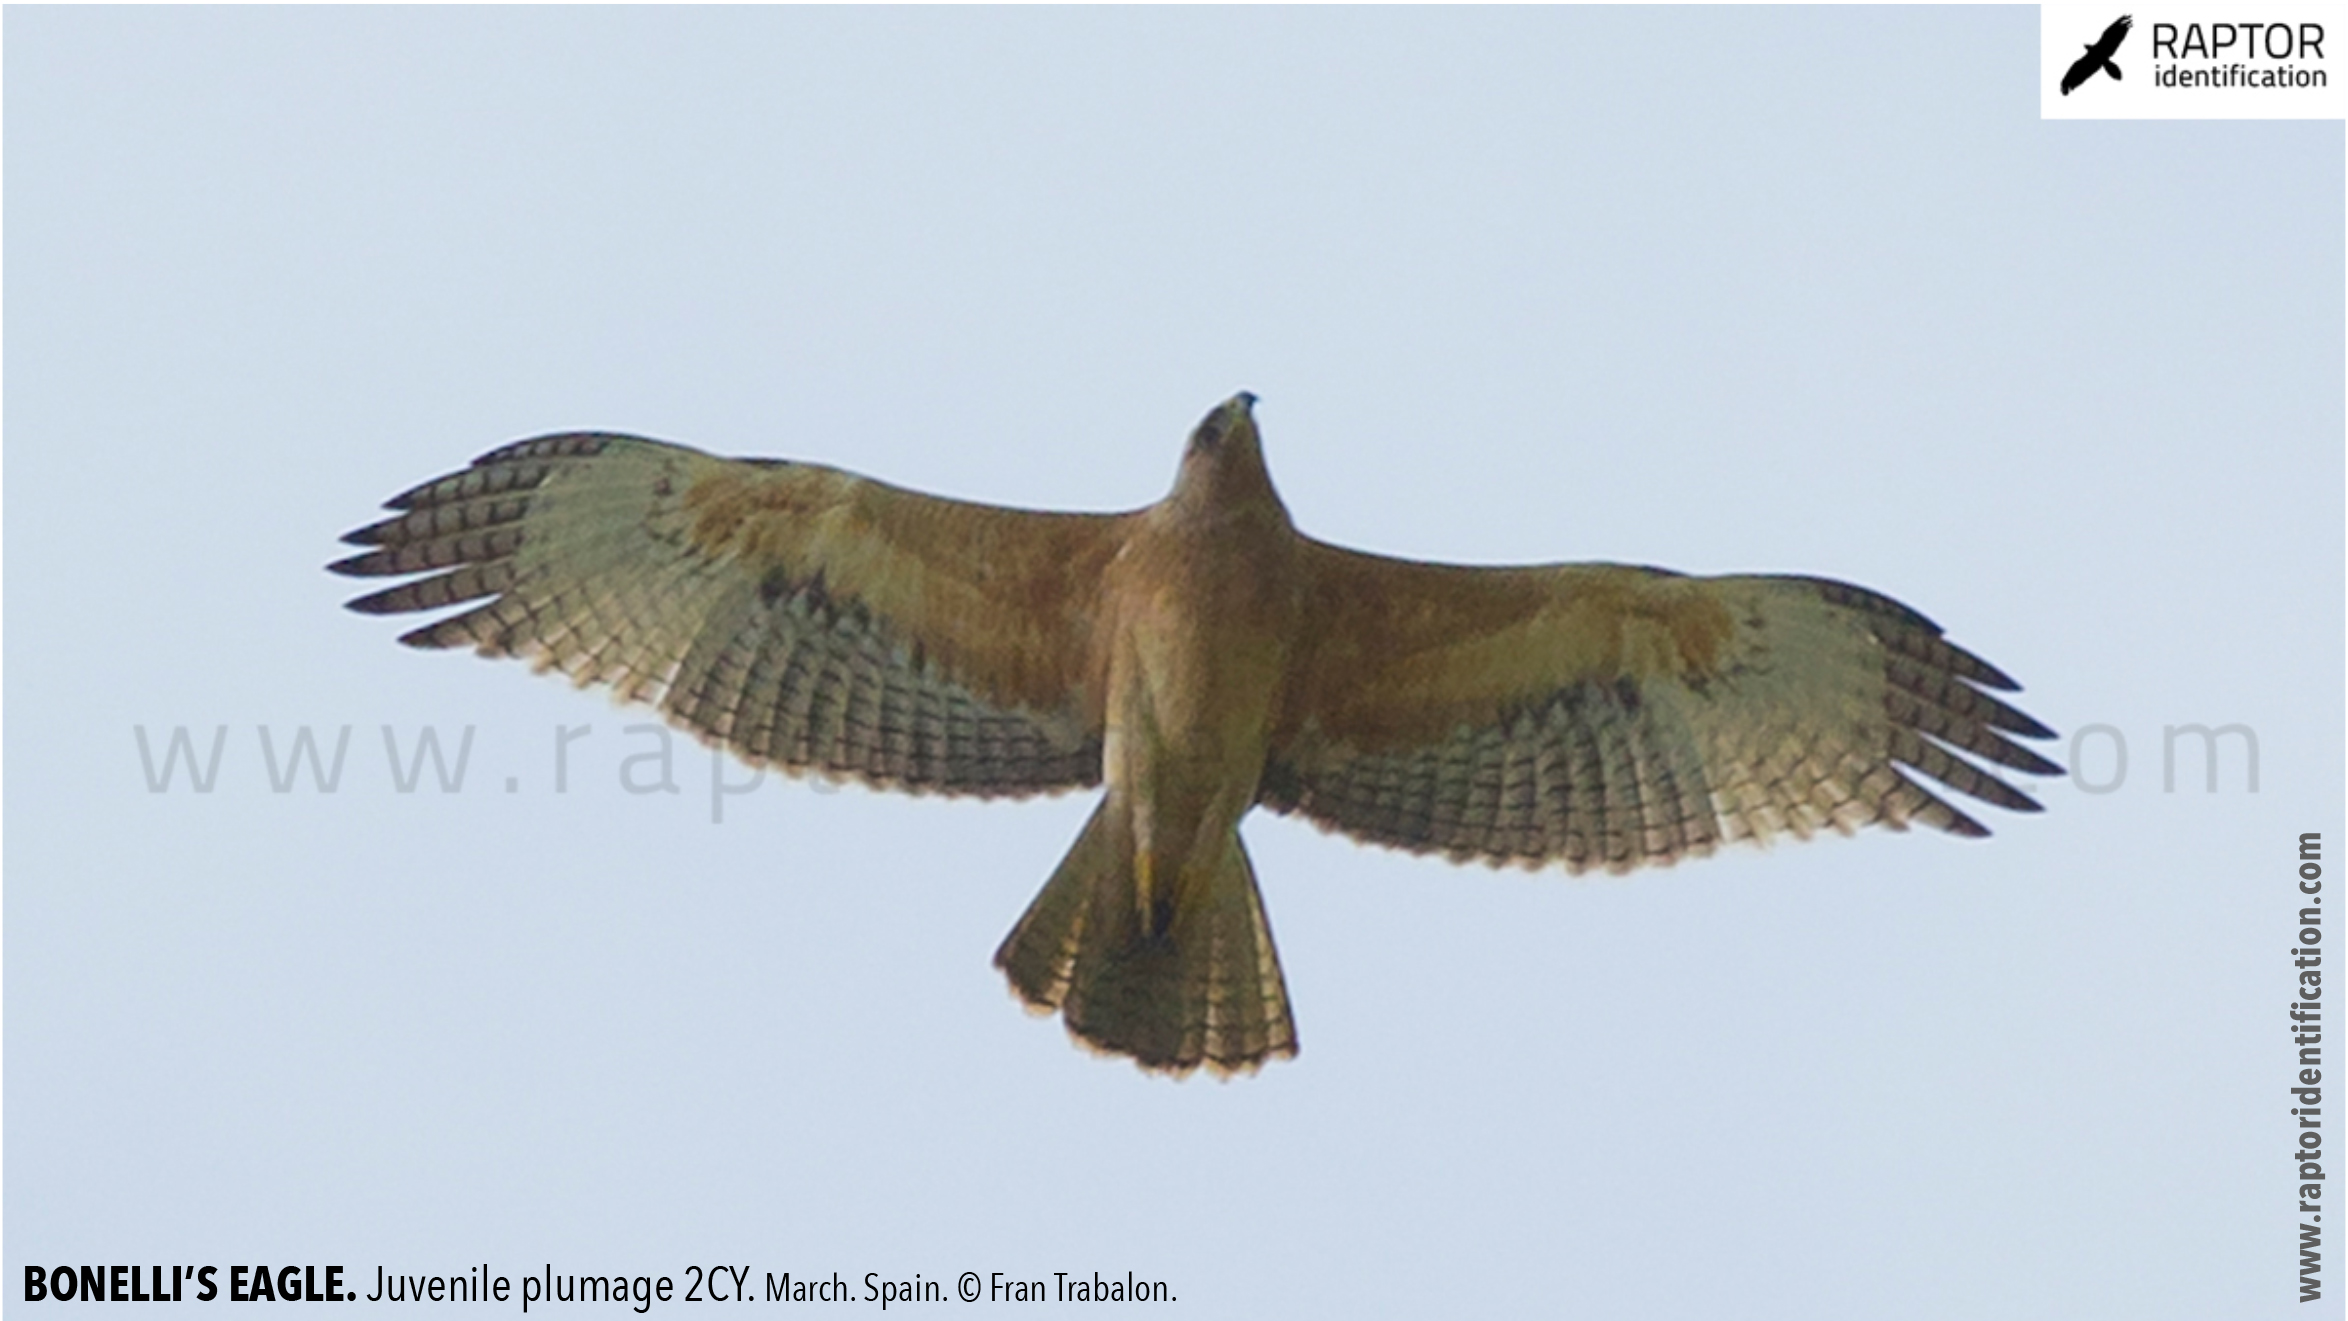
point(2029, 728)
point(376, 603)
point(408, 499)
point(1990, 676)
point(2027, 760)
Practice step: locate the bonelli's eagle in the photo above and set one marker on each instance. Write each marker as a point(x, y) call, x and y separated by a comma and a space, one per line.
point(1203, 658)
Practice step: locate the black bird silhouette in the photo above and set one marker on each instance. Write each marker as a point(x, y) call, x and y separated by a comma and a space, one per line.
point(2099, 55)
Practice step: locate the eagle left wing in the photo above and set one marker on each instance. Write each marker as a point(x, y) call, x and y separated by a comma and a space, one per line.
point(1614, 716)
point(801, 616)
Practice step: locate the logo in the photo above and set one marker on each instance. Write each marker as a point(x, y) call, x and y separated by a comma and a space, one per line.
point(2189, 59)
point(2099, 56)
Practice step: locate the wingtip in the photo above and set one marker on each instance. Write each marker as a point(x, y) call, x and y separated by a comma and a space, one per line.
point(2023, 759)
point(408, 499)
point(373, 603)
point(2028, 727)
point(1991, 677)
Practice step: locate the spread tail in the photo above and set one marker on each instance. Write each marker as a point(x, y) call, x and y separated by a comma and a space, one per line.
point(1192, 982)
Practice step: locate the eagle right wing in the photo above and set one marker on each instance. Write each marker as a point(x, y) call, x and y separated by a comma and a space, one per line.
point(1612, 716)
point(801, 616)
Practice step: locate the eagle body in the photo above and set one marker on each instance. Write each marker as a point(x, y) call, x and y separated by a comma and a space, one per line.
point(1151, 938)
point(1201, 657)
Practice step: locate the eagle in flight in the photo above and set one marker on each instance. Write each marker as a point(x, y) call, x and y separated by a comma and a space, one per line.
point(1202, 657)
point(2098, 56)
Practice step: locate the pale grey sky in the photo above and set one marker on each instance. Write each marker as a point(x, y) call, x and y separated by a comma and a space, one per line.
point(1807, 291)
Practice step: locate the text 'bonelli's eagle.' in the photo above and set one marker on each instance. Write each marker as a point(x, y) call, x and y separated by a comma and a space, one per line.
point(1202, 657)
